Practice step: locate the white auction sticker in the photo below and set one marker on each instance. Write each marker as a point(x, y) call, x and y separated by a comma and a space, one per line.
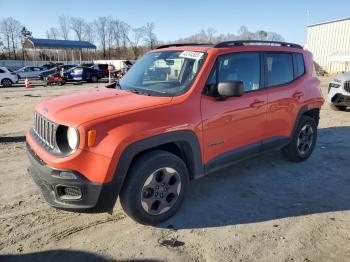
point(191, 54)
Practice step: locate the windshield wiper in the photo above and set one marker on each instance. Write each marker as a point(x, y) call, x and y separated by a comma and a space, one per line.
point(138, 91)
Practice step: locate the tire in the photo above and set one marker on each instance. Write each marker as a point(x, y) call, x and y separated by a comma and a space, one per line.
point(338, 108)
point(298, 150)
point(94, 79)
point(151, 183)
point(6, 82)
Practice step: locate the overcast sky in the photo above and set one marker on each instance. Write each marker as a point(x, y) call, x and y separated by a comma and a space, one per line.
point(177, 18)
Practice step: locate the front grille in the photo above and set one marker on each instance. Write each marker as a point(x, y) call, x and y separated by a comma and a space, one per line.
point(45, 130)
point(347, 86)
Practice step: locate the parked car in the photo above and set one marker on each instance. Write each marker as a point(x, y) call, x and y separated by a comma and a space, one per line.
point(146, 137)
point(30, 71)
point(43, 75)
point(81, 73)
point(101, 67)
point(339, 92)
point(7, 77)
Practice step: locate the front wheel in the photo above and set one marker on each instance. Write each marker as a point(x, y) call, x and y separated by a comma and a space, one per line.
point(155, 187)
point(6, 82)
point(303, 141)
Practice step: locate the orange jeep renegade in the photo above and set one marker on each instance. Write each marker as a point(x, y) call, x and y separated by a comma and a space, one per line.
point(182, 111)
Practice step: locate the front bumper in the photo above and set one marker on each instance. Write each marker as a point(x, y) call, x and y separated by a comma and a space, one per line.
point(62, 191)
point(340, 100)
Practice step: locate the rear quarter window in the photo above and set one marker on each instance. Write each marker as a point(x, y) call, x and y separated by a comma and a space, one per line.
point(299, 64)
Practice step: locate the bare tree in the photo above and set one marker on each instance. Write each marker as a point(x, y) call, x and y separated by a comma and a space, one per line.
point(52, 33)
point(272, 36)
point(89, 32)
point(64, 25)
point(210, 34)
point(101, 29)
point(150, 37)
point(77, 24)
point(135, 39)
point(10, 30)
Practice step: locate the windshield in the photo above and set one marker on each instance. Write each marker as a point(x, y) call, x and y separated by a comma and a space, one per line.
point(167, 73)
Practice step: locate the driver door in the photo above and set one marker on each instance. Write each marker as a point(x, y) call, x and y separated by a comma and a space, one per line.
point(234, 127)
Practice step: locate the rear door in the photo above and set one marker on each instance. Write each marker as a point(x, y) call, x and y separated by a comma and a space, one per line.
point(235, 124)
point(284, 81)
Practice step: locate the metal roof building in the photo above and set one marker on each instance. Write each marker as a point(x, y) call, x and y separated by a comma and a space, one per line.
point(48, 45)
point(56, 44)
point(330, 44)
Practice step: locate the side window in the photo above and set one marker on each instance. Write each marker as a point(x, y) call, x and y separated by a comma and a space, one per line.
point(2, 71)
point(279, 68)
point(300, 66)
point(241, 66)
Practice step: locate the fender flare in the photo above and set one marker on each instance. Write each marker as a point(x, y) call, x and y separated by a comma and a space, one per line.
point(301, 112)
point(110, 193)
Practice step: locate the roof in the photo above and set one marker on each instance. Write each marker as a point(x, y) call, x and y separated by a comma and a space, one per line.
point(340, 56)
point(57, 44)
point(328, 22)
point(228, 44)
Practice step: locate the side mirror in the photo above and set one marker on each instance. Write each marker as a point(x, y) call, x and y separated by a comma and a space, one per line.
point(230, 88)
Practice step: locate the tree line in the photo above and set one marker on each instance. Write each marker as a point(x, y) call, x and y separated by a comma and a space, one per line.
point(114, 38)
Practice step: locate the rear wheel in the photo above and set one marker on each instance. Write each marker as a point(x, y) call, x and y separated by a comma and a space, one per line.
point(155, 187)
point(6, 82)
point(303, 141)
point(94, 79)
point(338, 108)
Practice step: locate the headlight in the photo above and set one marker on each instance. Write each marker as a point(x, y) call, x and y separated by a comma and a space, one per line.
point(67, 139)
point(332, 85)
point(73, 138)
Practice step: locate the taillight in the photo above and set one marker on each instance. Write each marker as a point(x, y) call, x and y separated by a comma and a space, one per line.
point(13, 73)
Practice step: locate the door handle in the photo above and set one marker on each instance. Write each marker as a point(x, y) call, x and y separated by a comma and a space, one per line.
point(257, 103)
point(298, 94)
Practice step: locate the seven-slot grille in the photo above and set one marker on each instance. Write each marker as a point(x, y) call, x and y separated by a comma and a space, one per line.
point(347, 86)
point(45, 130)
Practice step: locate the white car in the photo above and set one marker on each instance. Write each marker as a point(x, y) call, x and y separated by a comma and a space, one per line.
point(30, 71)
point(7, 77)
point(339, 92)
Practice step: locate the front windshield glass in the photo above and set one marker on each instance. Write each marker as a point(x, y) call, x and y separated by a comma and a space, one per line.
point(166, 73)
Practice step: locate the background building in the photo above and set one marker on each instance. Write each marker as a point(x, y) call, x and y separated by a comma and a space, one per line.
point(330, 44)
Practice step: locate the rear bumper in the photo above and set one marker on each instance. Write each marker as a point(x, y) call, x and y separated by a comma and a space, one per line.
point(68, 189)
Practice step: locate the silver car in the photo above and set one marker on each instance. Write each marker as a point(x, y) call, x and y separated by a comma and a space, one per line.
point(30, 71)
point(339, 92)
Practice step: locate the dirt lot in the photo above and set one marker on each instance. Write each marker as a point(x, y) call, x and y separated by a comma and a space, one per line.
point(262, 209)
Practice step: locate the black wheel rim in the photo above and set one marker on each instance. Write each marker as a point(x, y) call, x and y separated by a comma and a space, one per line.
point(7, 83)
point(305, 139)
point(160, 191)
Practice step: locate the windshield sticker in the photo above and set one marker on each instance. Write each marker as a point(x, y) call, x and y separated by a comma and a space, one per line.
point(191, 55)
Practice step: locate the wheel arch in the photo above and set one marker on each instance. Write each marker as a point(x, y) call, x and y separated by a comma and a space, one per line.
point(182, 143)
point(313, 112)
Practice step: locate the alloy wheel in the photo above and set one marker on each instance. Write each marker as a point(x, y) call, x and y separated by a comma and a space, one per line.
point(305, 139)
point(160, 191)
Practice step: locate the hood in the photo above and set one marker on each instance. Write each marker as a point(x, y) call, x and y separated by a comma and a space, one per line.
point(344, 77)
point(78, 108)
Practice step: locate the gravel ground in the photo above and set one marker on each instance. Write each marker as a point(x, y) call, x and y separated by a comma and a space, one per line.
point(262, 209)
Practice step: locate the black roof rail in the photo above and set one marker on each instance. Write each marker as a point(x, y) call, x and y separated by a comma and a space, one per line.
point(242, 42)
point(181, 44)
